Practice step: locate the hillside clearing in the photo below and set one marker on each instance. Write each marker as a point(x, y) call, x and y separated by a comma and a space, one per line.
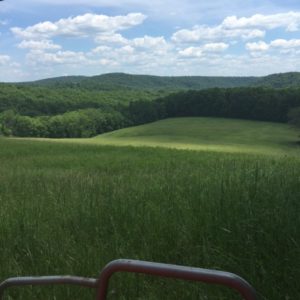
point(206, 134)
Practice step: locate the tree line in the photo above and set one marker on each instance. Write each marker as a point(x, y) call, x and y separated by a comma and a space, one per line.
point(263, 104)
point(82, 123)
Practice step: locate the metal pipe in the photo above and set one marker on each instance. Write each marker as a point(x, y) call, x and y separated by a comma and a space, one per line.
point(173, 271)
point(47, 280)
point(135, 266)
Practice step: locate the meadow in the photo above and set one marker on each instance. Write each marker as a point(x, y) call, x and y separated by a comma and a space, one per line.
point(206, 134)
point(70, 207)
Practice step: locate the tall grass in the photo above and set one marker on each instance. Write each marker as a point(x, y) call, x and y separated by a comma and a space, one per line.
point(70, 209)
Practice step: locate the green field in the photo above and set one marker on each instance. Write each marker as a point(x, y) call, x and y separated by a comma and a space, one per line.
point(208, 134)
point(70, 207)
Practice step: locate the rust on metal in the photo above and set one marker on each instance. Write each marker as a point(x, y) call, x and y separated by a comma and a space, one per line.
point(136, 266)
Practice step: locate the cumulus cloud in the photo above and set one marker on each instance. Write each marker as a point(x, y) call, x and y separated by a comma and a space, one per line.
point(59, 57)
point(101, 50)
point(119, 44)
point(273, 45)
point(234, 27)
point(259, 46)
point(144, 42)
point(4, 60)
point(136, 53)
point(215, 47)
point(200, 51)
point(149, 42)
point(290, 21)
point(199, 33)
point(80, 26)
point(9, 69)
point(282, 43)
point(39, 45)
point(191, 52)
point(108, 38)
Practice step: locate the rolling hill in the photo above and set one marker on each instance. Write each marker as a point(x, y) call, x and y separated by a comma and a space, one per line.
point(128, 81)
point(70, 206)
point(208, 134)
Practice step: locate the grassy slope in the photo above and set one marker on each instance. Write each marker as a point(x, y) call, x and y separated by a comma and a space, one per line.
point(216, 134)
point(69, 209)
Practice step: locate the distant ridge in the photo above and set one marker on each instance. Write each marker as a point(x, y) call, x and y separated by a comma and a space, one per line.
point(114, 81)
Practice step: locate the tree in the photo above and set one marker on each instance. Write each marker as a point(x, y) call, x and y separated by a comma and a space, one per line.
point(294, 117)
point(7, 122)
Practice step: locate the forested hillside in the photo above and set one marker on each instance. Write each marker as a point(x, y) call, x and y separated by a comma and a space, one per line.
point(40, 100)
point(85, 117)
point(78, 106)
point(115, 81)
point(127, 81)
point(284, 80)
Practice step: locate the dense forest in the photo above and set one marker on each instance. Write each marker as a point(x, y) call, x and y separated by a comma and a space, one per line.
point(34, 100)
point(115, 81)
point(79, 118)
point(59, 108)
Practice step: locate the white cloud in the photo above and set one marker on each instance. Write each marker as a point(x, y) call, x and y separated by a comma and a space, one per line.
point(145, 42)
point(199, 33)
point(127, 50)
point(114, 38)
point(234, 27)
point(101, 50)
point(215, 47)
point(237, 65)
point(135, 54)
point(60, 57)
point(80, 26)
point(39, 45)
point(9, 69)
point(278, 44)
point(259, 46)
point(149, 42)
point(4, 60)
point(203, 50)
point(155, 45)
point(191, 52)
point(282, 43)
point(290, 21)
point(253, 34)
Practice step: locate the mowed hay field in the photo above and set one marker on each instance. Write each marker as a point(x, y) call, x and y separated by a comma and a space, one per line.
point(208, 134)
point(69, 208)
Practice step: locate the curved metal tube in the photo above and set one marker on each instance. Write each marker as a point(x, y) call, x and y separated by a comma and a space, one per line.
point(136, 266)
point(173, 271)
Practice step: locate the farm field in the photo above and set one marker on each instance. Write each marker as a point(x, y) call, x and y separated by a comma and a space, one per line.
point(208, 134)
point(71, 206)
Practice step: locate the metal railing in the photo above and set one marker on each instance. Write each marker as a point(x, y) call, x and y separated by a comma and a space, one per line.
point(135, 266)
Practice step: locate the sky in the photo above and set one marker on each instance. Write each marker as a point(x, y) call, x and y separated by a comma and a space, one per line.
point(49, 38)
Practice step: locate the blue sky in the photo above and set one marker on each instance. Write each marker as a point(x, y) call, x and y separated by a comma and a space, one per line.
point(47, 38)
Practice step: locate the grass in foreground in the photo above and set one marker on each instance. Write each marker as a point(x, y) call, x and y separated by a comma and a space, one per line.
point(208, 134)
point(69, 209)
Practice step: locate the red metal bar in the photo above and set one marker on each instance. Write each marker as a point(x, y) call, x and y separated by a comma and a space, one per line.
point(135, 266)
point(173, 271)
